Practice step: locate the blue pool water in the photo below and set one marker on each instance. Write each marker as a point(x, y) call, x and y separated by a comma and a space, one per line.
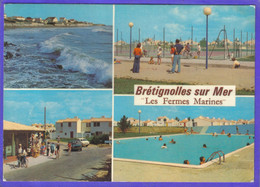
point(187, 147)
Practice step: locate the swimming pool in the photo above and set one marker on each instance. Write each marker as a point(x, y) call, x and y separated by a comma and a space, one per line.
point(187, 147)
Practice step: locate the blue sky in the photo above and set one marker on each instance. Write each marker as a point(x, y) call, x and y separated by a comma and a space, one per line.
point(178, 19)
point(102, 14)
point(124, 105)
point(27, 106)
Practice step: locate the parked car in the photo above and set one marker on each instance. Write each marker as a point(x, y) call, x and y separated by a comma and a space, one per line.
point(84, 142)
point(76, 145)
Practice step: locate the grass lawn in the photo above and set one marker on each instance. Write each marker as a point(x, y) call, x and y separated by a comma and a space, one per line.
point(134, 134)
point(126, 86)
point(247, 58)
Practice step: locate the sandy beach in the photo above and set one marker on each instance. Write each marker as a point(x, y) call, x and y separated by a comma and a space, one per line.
point(193, 71)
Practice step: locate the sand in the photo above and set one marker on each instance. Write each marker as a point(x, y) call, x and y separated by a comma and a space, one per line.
point(239, 167)
point(192, 72)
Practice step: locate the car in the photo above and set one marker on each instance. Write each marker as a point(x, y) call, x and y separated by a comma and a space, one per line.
point(84, 142)
point(76, 145)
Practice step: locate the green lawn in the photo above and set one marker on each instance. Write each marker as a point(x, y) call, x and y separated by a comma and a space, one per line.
point(248, 58)
point(133, 134)
point(126, 86)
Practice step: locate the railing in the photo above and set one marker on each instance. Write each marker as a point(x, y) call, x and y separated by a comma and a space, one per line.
point(212, 156)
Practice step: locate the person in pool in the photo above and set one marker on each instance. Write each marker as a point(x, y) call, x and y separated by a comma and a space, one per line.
point(222, 132)
point(172, 141)
point(229, 135)
point(164, 146)
point(204, 146)
point(247, 132)
point(160, 138)
point(202, 160)
point(186, 162)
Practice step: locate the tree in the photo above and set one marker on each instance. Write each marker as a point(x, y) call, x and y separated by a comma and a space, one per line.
point(124, 124)
point(203, 42)
point(189, 118)
point(177, 119)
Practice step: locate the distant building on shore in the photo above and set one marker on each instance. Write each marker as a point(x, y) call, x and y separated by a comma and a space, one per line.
point(38, 20)
point(18, 18)
point(51, 20)
point(63, 20)
point(5, 16)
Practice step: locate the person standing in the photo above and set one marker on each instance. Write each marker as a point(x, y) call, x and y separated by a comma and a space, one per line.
point(172, 52)
point(19, 155)
point(48, 148)
point(58, 151)
point(52, 148)
point(137, 54)
point(69, 148)
point(177, 56)
point(198, 50)
point(159, 53)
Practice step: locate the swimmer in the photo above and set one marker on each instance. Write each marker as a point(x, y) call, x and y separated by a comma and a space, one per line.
point(204, 146)
point(214, 134)
point(249, 137)
point(248, 144)
point(202, 160)
point(247, 132)
point(172, 141)
point(229, 135)
point(186, 162)
point(146, 139)
point(164, 146)
point(160, 138)
point(155, 138)
point(222, 132)
point(118, 142)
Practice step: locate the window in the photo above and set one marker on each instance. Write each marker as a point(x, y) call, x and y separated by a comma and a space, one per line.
point(69, 124)
point(98, 133)
point(110, 124)
point(159, 119)
point(65, 133)
point(88, 125)
point(96, 124)
point(61, 125)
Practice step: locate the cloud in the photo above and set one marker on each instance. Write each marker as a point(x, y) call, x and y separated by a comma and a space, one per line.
point(175, 28)
point(178, 14)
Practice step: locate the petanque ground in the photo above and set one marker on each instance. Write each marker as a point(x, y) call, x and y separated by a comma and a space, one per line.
point(193, 72)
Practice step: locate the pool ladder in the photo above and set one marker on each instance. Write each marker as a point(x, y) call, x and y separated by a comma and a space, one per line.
point(216, 153)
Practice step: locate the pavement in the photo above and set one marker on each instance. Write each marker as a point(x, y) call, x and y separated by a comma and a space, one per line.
point(238, 167)
point(79, 166)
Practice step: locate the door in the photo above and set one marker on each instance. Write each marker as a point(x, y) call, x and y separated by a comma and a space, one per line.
point(71, 134)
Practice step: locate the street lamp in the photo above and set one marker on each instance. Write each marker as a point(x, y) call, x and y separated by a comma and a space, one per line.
point(207, 12)
point(130, 25)
point(139, 111)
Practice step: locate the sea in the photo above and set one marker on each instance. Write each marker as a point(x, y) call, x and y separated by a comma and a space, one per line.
point(71, 57)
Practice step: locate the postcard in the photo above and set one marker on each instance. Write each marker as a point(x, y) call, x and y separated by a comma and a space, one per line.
point(107, 93)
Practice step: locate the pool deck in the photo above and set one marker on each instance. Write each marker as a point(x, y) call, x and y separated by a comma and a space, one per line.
point(239, 167)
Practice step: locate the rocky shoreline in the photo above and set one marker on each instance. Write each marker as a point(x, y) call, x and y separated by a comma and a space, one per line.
point(41, 25)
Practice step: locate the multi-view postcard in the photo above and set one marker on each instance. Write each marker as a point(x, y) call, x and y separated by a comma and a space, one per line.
point(101, 94)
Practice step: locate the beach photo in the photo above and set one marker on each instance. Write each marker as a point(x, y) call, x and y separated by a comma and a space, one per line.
point(57, 135)
point(57, 46)
point(183, 143)
point(184, 45)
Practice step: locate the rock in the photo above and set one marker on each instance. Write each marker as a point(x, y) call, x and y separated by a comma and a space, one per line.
point(6, 44)
point(17, 54)
point(8, 55)
point(59, 66)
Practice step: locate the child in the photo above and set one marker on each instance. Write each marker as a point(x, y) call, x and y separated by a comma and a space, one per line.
point(172, 52)
point(236, 63)
point(164, 146)
point(151, 61)
point(202, 160)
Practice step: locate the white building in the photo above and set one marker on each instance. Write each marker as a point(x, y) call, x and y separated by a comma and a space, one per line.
point(63, 20)
point(162, 121)
point(149, 123)
point(51, 20)
point(172, 123)
point(19, 18)
point(69, 128)
point(101, 126)
point(186, 123)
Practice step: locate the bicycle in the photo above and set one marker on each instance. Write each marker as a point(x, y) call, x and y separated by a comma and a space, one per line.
point(24, 162)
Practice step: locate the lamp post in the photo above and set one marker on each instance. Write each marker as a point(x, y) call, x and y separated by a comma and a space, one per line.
point(139, 111)
point(130, 25)
point(207, 12)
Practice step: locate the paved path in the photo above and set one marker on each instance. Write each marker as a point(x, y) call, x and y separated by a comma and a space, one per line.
point(68, 168)
point(237, 168)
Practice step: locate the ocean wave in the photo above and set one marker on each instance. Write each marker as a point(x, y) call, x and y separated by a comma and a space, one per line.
point(76, 61)
point(102, 29)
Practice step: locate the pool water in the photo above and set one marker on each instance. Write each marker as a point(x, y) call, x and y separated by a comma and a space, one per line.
point(187, 147)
